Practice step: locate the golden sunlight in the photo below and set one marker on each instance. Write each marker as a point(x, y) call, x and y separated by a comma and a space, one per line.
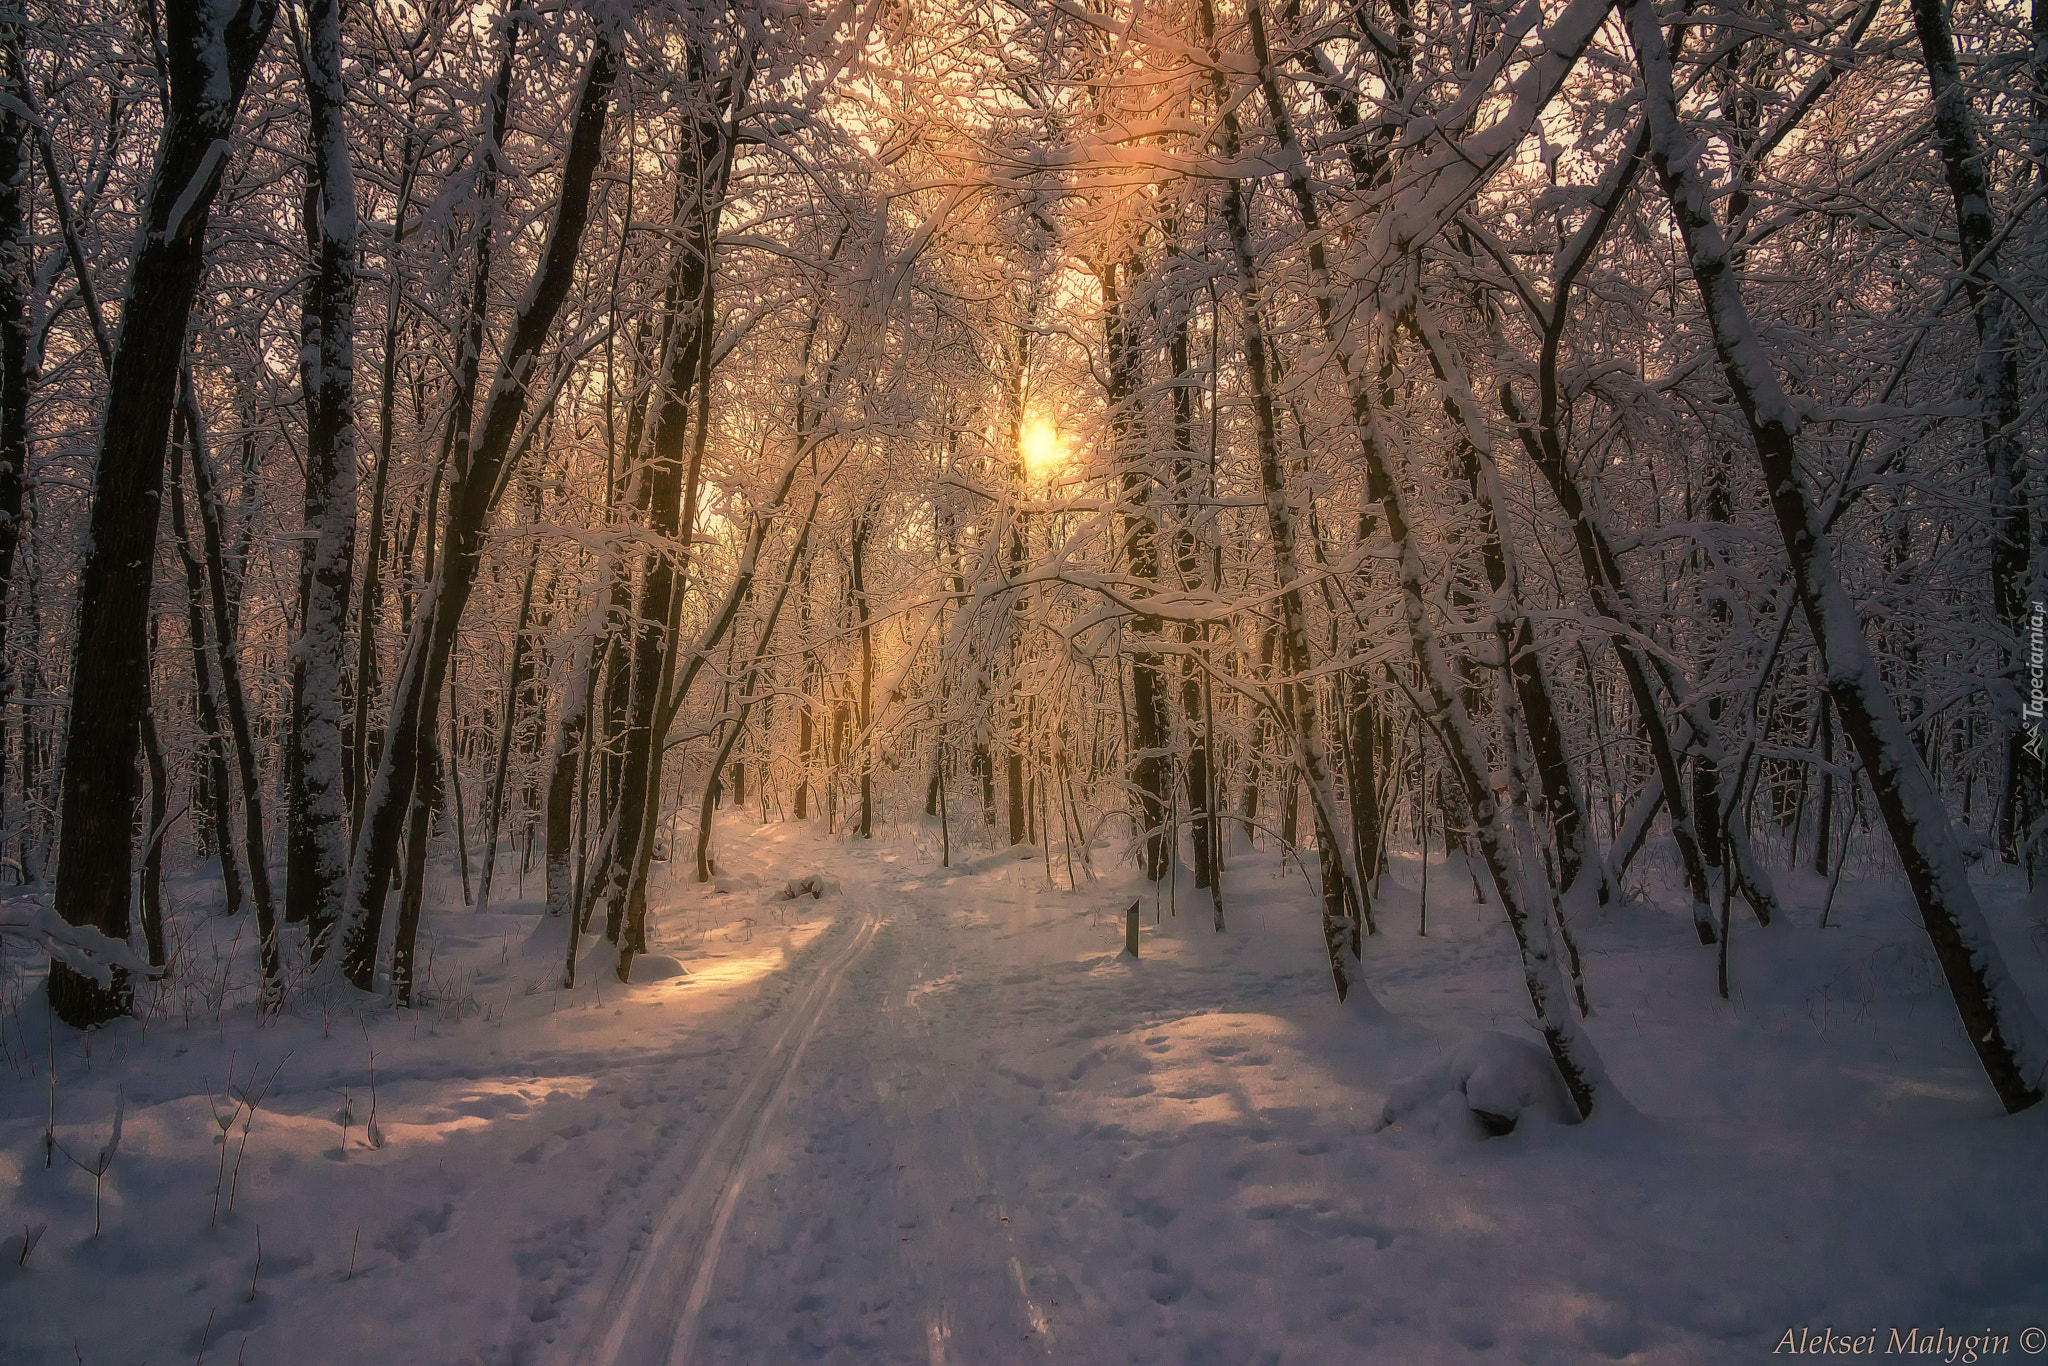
point(1040, 444)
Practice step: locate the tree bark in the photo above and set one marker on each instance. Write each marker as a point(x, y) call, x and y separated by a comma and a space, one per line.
point(318, 833)
point(863, 529)
point(2007, 1036)
point(254, 837)
point(1966, 164)
point(1151, 765)
point(209, 53)
point(212, 779)
point(1387, 475)
point(414, 714)
point(17, 366)
point(494, 804)
point(1296, 700)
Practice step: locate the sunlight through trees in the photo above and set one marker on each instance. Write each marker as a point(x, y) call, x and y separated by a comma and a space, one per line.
point(1601, 438)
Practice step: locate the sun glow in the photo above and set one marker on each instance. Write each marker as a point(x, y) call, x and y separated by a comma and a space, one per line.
point(1040, 444)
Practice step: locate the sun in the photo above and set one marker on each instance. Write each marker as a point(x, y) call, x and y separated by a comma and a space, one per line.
point(1040, 444)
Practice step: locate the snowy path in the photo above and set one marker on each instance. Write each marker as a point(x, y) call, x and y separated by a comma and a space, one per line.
point(651, 1316)
point(860, 1093)
point(937, 1118)
point(882, 1222)
point(1005, 1143)
point(922, 1197)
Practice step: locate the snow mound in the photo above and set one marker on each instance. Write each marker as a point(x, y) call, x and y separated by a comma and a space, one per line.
point(810, 885)
point(1495, 1079)
point(657, 967)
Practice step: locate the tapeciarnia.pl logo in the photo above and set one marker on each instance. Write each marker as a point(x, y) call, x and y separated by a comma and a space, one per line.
point(2031, 710)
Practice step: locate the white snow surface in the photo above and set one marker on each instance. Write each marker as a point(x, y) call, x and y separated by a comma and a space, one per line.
point(1491, 1074)
point(935, 1116)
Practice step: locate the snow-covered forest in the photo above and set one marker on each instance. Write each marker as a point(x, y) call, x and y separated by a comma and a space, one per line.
point(733, 566)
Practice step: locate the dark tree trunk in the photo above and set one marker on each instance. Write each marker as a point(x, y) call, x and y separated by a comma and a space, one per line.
point(1967, 166)
point(1564, 805)
point(1297, 693)
point(1013, 773)
point(255, 840)
point(16, 377)
point(806, 716)
point(1194, 637)
point(863, 528)
point(2002, 1027)
point(566, 761)
point(1151, 765)
point(1824, 822)
point(419, 834)
point(494, 804)
point(1363, 775)
point(210, 50)
point(318, 826)
point(414, 715)
point(1387, 475)
point(750, 687)
point(363, 906)
point(211, 780)
point(678, 440)
point(153, 837)
point(363, 758)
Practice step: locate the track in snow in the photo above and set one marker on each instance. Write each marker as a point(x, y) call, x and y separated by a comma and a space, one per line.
point(650, 1318)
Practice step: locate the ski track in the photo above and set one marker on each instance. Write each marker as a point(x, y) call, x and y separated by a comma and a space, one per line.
point(916, 1127)
point(882, 1114)
point(650, 1317)
point(862, 1087)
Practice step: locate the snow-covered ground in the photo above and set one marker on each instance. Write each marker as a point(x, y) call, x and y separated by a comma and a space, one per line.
point(936, 1116)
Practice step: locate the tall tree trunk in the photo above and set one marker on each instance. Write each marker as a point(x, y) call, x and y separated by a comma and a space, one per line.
point(1297, 694)
point(807, 700)
point(1545, 443)
point(1194, 636)
point(1577, 1062)
point(370, 600)
point(318, 837)
point(152, 900)
point(1967, 165)
point(255, 840)
point(210, 51)
point(218, 797)
point(1824, 822)
point(419, 834)
point(414, 714)
point(17, 365)
point(2002, 1027)
point(495, 803)
point(564, 763)
point(1563, 802)
point(1016, 373)
point(1151, 765)
point(749, 692)
point(673, 487)
point(863, 528)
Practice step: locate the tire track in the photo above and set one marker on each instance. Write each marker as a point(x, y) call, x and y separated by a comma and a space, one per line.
point(650, 1317)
